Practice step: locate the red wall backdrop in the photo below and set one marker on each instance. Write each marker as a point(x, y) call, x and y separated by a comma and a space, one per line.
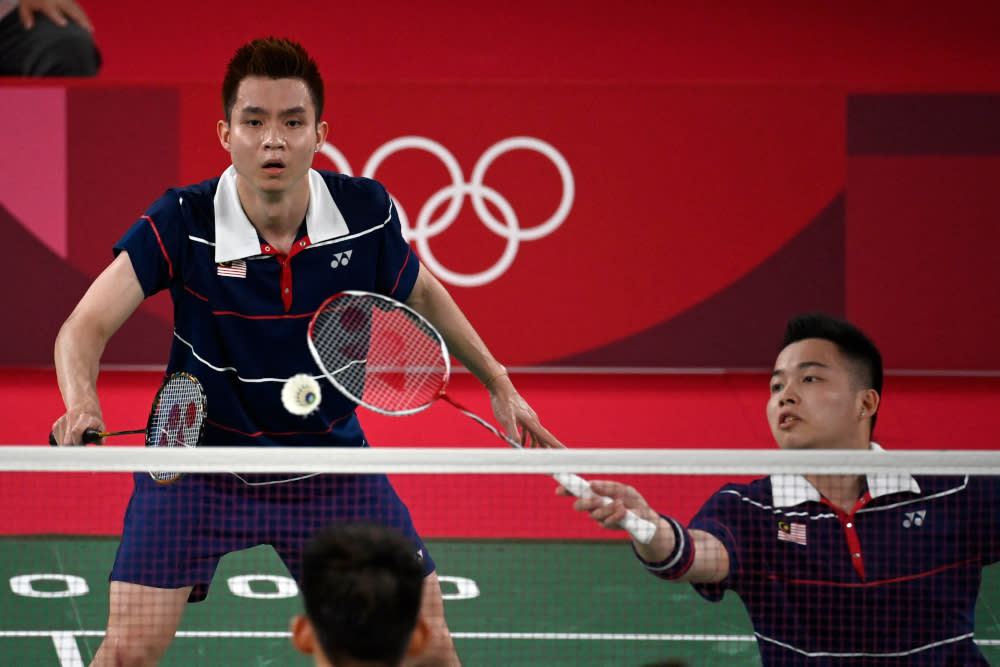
point(728, 166)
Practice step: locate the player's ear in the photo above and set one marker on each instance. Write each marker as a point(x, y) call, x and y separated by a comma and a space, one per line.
point(421, 637)
point(303, 635)
point(869, 403)
point(322, 129)
point(222, 128)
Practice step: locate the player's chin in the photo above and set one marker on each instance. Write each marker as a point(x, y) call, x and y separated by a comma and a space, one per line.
point(791, 441)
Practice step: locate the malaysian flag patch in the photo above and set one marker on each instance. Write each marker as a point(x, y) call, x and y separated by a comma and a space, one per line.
point(235, 269)
point(792, 532)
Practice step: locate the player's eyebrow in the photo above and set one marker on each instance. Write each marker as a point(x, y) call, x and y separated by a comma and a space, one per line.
point(803, 365)
point(250, 109)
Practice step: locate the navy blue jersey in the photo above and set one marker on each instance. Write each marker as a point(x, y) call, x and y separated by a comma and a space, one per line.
point(894, 582)
point(241, 308)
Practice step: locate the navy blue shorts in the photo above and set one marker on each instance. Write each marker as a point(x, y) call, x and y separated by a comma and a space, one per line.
point(174, 534)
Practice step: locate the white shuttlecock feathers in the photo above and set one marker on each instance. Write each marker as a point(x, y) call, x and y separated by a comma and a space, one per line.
point(300, 395)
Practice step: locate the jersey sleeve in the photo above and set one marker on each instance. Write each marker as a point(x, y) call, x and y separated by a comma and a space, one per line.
point(724, 517)
point(154, 244)
point(398, 265)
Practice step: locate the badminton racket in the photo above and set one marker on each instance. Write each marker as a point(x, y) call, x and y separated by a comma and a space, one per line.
point(177, 419)
point(385, 356)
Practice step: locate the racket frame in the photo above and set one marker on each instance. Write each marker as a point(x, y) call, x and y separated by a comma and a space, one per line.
point(392, 304)
point(641, 529)
point(151, 420)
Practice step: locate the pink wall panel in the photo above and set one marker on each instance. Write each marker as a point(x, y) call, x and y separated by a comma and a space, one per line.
point(33, 168)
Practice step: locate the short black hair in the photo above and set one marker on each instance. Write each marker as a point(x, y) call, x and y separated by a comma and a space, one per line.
point(849, 339)
point(362, 584)
point(273, 58)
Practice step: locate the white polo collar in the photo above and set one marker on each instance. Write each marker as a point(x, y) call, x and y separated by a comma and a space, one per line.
point(790, 490)
point(235, 235)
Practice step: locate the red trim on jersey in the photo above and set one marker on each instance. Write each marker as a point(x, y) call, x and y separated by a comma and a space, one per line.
point(286, 266)
point(260, 317)
point(881, 582)
point(260, 433)
point(849, 525)
point(399, 276)
point(244, 316)
point(195, 294)
point(170, 266)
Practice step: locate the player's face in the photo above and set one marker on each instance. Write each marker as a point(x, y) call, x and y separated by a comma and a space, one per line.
point(814, 403)
point(273, 135)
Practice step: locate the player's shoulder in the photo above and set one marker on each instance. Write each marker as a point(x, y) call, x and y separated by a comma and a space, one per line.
point(756, 488)
point(756, 492)
point(189, 205)
point(350, 191)
point(956, 485)
point(187, 201)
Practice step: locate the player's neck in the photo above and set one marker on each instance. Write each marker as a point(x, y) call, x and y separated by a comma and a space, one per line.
point(841, 490)
point(277, 218)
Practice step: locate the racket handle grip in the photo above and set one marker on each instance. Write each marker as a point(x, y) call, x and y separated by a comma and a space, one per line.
point(90, 436)
point(639, 528)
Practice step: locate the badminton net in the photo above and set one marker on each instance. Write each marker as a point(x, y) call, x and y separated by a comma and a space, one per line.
point(525, 579)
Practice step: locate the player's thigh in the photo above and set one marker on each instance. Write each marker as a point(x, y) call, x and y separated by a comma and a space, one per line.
point(143, 615)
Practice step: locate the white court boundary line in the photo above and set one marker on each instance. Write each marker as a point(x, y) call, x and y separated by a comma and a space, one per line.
point(68, 651)
point(279, 634)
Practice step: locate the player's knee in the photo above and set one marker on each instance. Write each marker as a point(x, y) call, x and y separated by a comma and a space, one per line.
point(127, 649)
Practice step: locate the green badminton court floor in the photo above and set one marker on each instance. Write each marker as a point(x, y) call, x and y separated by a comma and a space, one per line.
point(508, 603)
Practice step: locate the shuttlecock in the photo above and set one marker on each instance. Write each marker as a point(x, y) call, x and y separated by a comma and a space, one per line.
point(300, 395)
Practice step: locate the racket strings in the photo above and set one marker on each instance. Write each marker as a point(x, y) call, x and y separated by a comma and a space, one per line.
point(380, 355)
point(177, 417)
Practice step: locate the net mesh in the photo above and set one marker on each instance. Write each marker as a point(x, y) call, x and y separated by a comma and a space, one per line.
point(379, 354)
point(525, 579)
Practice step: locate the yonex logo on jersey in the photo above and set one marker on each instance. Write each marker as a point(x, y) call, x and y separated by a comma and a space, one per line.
point(914, 519)
point(341, 259)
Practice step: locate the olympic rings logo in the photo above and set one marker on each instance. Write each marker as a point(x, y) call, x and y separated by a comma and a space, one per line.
point(478, 192)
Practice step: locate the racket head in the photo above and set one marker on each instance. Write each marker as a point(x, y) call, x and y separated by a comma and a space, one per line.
point(379, 352)
point(177, 418)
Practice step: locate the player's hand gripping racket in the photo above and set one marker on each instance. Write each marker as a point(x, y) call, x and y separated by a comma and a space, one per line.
point(385, 356)
point(177, 419)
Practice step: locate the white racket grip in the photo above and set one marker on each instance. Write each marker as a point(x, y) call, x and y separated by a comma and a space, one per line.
point(642, 530)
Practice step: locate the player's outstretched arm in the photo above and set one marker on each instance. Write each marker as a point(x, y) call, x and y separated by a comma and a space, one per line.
point(111, 299)
point(430, 298)
point(697, 557)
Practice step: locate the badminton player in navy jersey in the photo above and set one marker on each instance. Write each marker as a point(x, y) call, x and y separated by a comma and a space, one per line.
point(247, 257)
point(880, 569)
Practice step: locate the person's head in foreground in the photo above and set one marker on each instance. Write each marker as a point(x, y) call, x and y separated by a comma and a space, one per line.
point(361, 584)
point(826, 386)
